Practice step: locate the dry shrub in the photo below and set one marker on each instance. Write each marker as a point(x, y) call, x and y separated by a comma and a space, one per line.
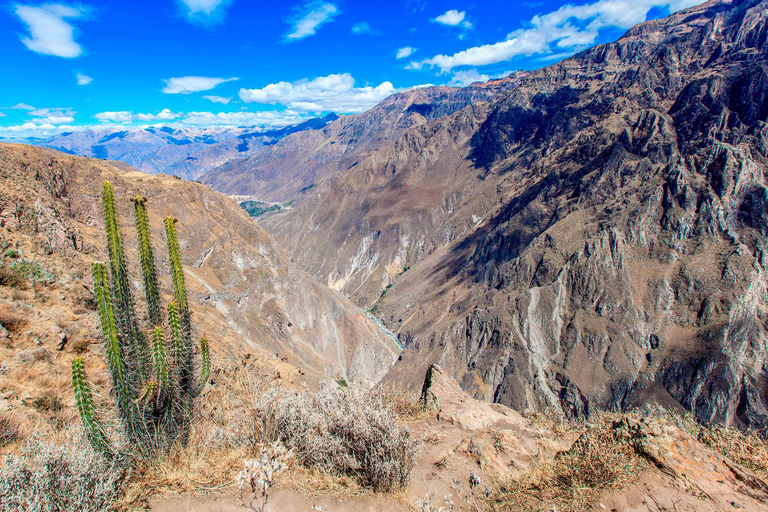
point(405, 403)
point(342, 432)
point(748, 448)
point(66, 478)
point(9, 277)
point(9, 429)
point(10, 320)
point(600, 459)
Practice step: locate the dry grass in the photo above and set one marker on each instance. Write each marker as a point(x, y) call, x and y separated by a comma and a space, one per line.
point(601, 459)
point(9, 429)
point(404, 403)
point(748, 448)
point(10, 320)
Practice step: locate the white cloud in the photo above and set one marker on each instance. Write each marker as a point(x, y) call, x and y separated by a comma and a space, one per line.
point(363, 28)
point(22, 106)
point(49, 33)
point(204, 12)
point(326, 93)
point(49, 115)
point(466, 77)
point(308, 18)
point(124, 116)
point(190, 84)
point(570, 27)
point(32, 130)
point(218, 99)
point(115, 117)
point(469, 76)
point(454, 18)
point(243, 118)
point(3, 115)
point(163, 115)
point(404, 52)
point(83, 79)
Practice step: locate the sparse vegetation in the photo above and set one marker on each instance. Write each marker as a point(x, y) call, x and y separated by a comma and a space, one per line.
point(64, 478)
point(153, 380)
point(12, 322)
point(601, 459)
point(342, 432)
point(748, 448)
point(9, 429)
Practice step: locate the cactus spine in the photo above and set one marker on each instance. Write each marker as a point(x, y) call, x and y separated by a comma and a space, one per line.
point(153, 389)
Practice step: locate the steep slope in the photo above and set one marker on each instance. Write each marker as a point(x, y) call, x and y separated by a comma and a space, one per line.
point(245, 293)
point(591, 236)
point(301, 161)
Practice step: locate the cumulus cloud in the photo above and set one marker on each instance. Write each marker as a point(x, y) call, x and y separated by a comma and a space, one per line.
point(115, 117)
point(404, 52)
point(49, 33)
point(83, 79)
point(243, 118)
point(125, 116)
point(30, 129)
point(309, 17)
point(218, 99)
point(454, 18)
point(190, 84)
point(571, 27)
point(204, 12)
point(469, 76)
point(335, 93)
point(363, 28)
point(163, 115)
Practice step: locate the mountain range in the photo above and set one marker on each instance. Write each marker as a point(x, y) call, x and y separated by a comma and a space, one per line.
point(590, 235)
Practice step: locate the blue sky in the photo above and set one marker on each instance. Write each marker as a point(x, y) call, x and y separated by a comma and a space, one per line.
point(201, 63)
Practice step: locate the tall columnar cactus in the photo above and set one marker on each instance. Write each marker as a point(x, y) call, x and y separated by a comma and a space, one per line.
point(148, 273)
point(153, 381)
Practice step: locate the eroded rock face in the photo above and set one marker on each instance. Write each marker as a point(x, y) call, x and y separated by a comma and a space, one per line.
point(592, 235)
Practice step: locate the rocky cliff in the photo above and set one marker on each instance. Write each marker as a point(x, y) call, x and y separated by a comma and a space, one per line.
point(592, 234)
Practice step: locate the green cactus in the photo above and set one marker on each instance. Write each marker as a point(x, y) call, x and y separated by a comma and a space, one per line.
point(148, 273)
point(121, 284)
point(111, 341)
point(160, 359)
point(84, 399)
point(153, 390)
point(205, 361)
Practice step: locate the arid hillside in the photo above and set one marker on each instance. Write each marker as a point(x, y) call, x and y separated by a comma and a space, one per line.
point(245, 293)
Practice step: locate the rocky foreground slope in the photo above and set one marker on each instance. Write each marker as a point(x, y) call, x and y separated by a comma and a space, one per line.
point(244, 292)
point(592, 234)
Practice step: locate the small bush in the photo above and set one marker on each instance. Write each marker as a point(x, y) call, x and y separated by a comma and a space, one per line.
point(600, 459)
point(10, 320)
point(341, 432)
point(9, 277)
point(9, 429)
point(63, 478)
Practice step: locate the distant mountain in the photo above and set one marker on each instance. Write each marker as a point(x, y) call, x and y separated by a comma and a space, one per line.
point(184, 152)
point(588, 235)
